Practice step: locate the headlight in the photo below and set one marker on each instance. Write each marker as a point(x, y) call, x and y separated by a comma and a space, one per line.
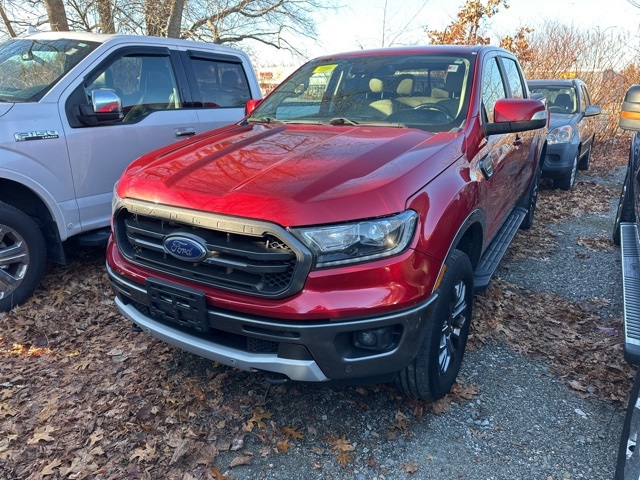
point(560, 135)
point(361, 241)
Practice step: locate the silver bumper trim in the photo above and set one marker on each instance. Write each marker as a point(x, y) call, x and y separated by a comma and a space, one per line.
point(299, 370)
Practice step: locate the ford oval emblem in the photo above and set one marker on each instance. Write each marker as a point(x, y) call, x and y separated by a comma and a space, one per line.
point(185, 247)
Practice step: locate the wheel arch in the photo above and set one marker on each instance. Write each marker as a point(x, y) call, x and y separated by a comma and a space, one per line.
point(29, 202)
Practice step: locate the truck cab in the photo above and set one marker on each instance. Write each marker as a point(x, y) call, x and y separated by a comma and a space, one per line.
point(75, 110)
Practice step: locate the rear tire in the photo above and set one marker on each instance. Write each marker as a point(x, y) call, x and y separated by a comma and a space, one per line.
point(530, 201)
point(23, 255)
point(433, 372)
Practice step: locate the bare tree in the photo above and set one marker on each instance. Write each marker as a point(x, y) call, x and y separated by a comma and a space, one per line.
point(467, 28)
point(57, 15)
point(7, 22)
point(600, 57)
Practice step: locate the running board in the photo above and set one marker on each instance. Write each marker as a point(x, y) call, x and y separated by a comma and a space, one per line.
point(495, 251)
point(630, 256)
point(94, 238)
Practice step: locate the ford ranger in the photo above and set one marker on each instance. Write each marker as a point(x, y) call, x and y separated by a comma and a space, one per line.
point(339, 231)
point(75, 110)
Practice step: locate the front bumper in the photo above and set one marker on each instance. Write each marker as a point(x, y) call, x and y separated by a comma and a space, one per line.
point(303, 350)
point(559, 160)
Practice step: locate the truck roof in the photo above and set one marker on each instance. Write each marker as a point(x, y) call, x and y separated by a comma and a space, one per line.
point(120, 38)
point(420, 50)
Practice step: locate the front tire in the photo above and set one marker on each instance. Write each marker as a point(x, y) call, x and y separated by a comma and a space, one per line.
point(23, 255)
point(567, 182)
point(433, 372)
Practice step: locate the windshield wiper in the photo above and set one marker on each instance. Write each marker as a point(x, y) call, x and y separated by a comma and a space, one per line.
point(342, 121)
point(263, 120)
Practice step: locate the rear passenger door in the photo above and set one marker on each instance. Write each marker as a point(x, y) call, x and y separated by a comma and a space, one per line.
point(219, 86)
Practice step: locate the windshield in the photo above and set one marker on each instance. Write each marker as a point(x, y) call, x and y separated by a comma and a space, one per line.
point(29, 68)
point(430, 92)
point(560, 99)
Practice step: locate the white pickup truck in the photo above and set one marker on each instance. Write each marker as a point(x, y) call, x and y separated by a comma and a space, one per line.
point(75, 110)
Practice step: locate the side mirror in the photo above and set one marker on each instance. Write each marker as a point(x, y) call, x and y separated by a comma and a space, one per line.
point(106, 102)
point(512, 115)
point(106, 107)
point(630, 115)
point(592, 111)
point(251, 106)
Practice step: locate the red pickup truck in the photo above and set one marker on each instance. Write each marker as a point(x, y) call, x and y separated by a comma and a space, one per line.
point(339, 231)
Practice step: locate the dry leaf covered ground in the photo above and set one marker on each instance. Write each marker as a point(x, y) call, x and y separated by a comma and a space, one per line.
point(83, 396)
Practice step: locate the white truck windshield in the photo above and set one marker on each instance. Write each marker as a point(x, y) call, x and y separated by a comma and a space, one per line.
point(29, 68)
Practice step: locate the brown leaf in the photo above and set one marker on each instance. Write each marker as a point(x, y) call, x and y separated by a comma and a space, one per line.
point(49, 469)
point(344, 458)
point(42, 434)
point(410, 467)
point(259, 414)
point(241, 460)
point(283, 446)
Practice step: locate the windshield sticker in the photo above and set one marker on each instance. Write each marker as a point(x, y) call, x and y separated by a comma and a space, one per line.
point(39, 135)
point(71, 51)
point(452, 68)
point(325, 68)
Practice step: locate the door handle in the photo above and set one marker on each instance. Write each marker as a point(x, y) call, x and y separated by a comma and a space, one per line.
point(518, 141)
point(185, 132)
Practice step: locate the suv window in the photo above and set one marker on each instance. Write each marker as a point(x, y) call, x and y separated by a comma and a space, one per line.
point(585, 100)
point(513, 77)
point(492, 87)
point(144, 83)
point(221, 84)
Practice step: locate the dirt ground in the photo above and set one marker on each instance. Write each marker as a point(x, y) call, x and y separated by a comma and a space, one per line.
point(83, 396)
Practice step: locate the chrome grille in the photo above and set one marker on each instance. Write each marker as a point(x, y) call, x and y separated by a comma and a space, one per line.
point(243, 256)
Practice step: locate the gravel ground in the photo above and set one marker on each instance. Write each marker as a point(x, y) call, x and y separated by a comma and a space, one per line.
point(525, 423)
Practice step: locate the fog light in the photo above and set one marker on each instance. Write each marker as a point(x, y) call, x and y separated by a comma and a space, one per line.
point(379, 339)
point(367, 338)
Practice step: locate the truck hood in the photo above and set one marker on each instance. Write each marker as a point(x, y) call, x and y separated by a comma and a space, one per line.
point(294, 174)
point(5, 107)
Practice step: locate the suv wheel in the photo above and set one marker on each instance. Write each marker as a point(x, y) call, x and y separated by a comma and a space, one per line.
point(566, 183)
point(433, 372)
point(23, 256)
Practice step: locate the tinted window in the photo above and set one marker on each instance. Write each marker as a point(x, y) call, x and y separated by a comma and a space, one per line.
point(221, 84)
point(492, 87)
point(144, 84)
point(513, 77)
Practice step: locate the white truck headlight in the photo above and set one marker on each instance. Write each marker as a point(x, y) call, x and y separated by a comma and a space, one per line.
point(360, 241)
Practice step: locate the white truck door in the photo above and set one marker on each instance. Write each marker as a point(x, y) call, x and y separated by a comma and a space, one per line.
point(145, 79)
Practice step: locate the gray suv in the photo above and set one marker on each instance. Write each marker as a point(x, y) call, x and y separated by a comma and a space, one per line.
point(572, 129)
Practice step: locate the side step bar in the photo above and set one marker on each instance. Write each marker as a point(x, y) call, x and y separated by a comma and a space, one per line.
point(496, 249)
point(630, 256)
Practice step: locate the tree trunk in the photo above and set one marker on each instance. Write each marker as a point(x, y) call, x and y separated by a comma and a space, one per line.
point(57, 16)
point(105, 14)
point(7, 22)
point(175, 19)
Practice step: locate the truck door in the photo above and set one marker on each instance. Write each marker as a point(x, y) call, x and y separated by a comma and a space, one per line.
point(498, 158)
point(219, 85)
point(148, 84)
